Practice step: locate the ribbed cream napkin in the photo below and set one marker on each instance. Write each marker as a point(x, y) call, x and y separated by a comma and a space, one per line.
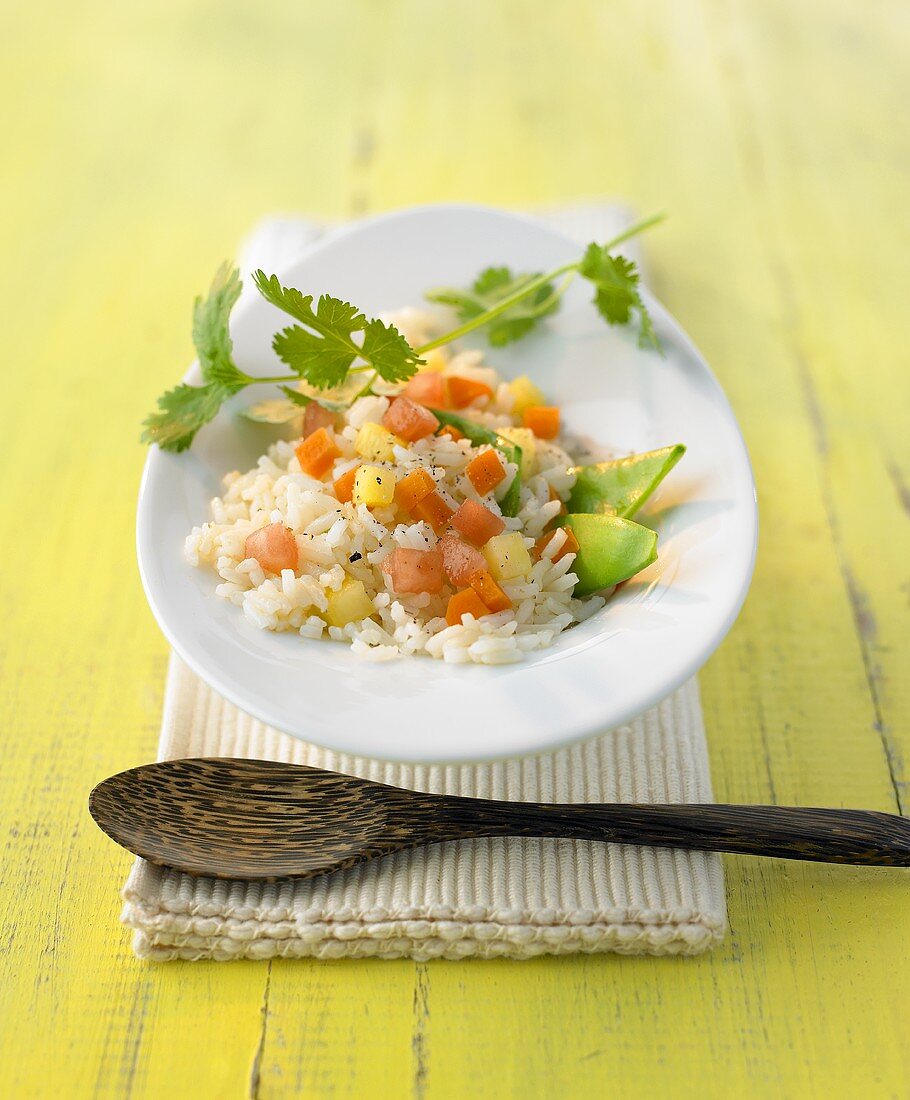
point(514, 898)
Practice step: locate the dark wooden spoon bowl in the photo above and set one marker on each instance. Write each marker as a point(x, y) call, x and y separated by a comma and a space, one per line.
point(257, 819)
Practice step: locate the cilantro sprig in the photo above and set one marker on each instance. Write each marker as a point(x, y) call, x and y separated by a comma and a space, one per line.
point(334, 341)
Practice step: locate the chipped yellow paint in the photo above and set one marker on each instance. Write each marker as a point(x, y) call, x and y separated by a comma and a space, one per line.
point(140, 142)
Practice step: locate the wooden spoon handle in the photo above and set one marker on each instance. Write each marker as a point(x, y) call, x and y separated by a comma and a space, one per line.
point(790, 832)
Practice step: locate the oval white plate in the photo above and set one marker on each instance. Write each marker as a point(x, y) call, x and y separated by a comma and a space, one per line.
point(655, 632)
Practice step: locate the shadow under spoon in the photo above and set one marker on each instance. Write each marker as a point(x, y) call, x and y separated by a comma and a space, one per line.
point(258, 819)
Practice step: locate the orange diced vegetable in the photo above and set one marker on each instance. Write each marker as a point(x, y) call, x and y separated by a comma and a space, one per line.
point(543, 420)
point(462, 391)
point(414, 570)
point(408, 420)
point(434, 511)
point(315, 417)
point(485, 471)
point(489, 591)
point(344, 485)
point(274, 547)
point(428, 388)
point(466, 602)
point(451, 431)
point(569, 546)
point(413, 488)
point(476, 523)
point(316, 453)
point(459, 559)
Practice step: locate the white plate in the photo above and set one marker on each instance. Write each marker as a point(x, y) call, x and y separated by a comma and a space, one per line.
point(652, 636)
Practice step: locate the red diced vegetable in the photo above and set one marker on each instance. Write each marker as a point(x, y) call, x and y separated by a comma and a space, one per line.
point(434, 511)
point(464, 603)
point(477, 523)
point(489, 591)
point(315, 417)
point(414, 570)
point(408, 420)
point(485, 471)
point(543, 420)
point(413, 488)
point(274, 547)
point(344, 485)
point(428, 388)
point(317, 453)
point(462, 391)
point(569, 546)
point(459, 559)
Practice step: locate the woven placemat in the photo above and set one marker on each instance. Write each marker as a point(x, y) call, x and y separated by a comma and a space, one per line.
point(516, 898)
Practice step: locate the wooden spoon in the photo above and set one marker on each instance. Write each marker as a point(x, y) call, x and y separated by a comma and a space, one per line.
point(256, 819)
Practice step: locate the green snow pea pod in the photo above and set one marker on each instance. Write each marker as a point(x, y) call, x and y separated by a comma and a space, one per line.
point(610, 549)
point(622, 486)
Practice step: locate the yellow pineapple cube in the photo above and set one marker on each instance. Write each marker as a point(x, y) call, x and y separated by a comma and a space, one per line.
point(434, 360)
point(507, 557)
point(348, 604)
point(525, 439)
point(376, 443)
point(526, 394)
point(373, 486)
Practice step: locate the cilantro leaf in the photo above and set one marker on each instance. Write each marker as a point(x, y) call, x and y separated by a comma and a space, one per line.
point(492, 286)
point(616, 282)
point(323, 350)
point(181, 412)
point(211, 335)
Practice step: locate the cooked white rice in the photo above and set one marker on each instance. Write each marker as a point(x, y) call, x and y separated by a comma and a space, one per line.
point(329, 534)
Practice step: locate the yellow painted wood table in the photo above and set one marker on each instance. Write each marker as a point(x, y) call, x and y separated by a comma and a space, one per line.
point(140, 141)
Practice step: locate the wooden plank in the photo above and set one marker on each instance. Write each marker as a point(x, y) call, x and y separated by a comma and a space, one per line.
point(771, 132)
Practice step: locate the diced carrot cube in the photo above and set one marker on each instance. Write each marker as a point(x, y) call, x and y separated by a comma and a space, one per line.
point(477, 523)
point(459, 559)
point(485, 471)
point(434, 511)
point(428, 388)
point(413, 488)
point(414, 570)
point(489, 591)
point(451, 431)
point(462, 391)
point(316, 453)
point(466, 602)
point(569, 545)
point(344, 485)
point(315, 417)
point(543, 420)
point(274, 547)
point(408, 420)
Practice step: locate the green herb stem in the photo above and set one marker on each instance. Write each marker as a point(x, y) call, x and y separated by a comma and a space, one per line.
point(535, 284)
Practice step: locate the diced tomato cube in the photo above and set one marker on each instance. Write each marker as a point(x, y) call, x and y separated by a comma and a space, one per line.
point(408, 420)
point(489, 591)
point(477, 523)
point(462, 391)
point(344, 485)
point(569, 545)
point(428, 388)
point(434, 511)
point(485, 471)
point(459, 559)
point(543, 420)
point(466, 602)
point(413, 488)
point(274, 547)
point(414, 570)
point(315, 417)
point(317, 453)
